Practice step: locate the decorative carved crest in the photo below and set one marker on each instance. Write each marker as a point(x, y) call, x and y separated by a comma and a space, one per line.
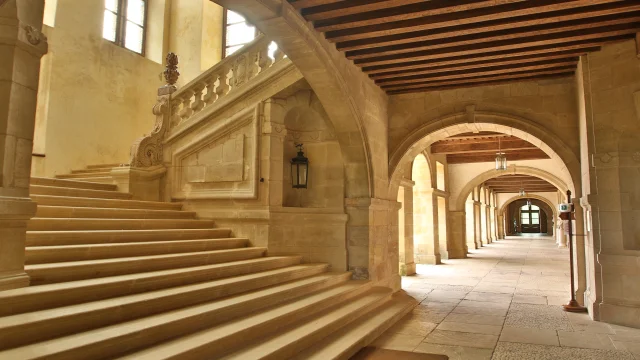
point(34, 35)
point(147, 151)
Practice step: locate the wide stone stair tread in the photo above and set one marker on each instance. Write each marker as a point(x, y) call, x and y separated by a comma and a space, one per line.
point(43, 325)
point(50, 200)
point(41, 297)
point(291, 340)
point(49, 238)
point(47, 211)
point(104, 166)
point(118, 339)
point(76, 192)
point(62, 253)
point(343, 344)
point(93, 174)
point(92, 170)
point(72, 184)
point(61, 224)
point(78, 270)
point(96, 179)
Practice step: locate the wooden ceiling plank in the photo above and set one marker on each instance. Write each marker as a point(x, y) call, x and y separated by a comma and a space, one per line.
point(492, 25)
point(460, 75)
point(523, 34)
point(442, 147)
point(482, 78)
point(487, 83)
point(301, 4)
point(454, 19)
point(407, 11)
point(514, 44)
point(539, 51)
point(353, 7)
point(482, 64)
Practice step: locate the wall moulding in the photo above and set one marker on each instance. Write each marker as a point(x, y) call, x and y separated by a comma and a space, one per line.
point(197, 168)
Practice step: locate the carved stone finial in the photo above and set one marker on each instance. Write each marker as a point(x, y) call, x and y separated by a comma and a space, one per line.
point(171, 72)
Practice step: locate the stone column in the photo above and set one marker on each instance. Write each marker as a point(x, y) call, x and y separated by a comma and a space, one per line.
point(458, 248)
point(501, 227)
point(487, 209)
point(407, 261)
point(477, 221)
point(425, 228)
point(21, 46)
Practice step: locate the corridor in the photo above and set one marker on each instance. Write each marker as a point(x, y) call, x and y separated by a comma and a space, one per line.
point(503, 302)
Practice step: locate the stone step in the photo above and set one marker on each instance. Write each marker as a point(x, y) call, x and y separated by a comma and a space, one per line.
point(35, 298)
point(75, 176)
point(72, 224)
point(63, 253)
point(288, 327)
point(92, 170)
point(84, 193)
point(343, 344)
point(72, 184)
point(80, 270)
point(52, 238)
point(109, 166)
point(98, 180)
point(103, 203)
point(119, 339)
point(45, 211)
point(22, 329)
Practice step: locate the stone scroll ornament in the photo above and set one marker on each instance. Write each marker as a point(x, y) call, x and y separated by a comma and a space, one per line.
point(147, 151)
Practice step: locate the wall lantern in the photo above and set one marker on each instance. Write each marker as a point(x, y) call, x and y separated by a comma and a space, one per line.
point(501, 158)
point(299, 170)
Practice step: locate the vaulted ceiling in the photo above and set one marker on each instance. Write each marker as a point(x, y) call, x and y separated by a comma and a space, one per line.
point(513, 184)
point(421, 45)
point(483, 146)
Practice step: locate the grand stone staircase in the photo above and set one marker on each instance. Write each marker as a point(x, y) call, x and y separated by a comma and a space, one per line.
point(118, 278)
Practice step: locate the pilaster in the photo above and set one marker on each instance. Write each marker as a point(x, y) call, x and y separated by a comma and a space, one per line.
point(22, 44)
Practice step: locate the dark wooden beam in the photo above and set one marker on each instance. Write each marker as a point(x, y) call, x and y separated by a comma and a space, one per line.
point(506, 45)
point(481, 79)
point(474, 147)
point(536, 35)
point(483, 72)
point(521, 155)
point(352, 7)
point(486, 83)
point(340, 31)
point(409, 10)
point(502, 191)
point(474, 65)
point(510, 23)
point(300, 4)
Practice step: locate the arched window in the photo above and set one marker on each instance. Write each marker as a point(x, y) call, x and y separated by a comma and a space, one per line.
point(530, 218)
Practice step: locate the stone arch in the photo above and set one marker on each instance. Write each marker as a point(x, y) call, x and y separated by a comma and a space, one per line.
point(566, 161)
point(530, 196)
point(344, 92)
point(511, 170)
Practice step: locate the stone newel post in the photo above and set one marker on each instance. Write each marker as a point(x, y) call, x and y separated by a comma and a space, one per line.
point(22, 44)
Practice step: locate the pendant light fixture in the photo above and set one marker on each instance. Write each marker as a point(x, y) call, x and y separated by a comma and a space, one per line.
point(501, 158)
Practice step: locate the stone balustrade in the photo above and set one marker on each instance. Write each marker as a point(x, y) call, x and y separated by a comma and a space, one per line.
point(215, 83)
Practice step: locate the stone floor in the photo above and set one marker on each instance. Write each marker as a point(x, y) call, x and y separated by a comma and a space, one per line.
point(504, 303)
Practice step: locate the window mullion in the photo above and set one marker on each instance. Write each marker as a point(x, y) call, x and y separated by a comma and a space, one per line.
point(122, 22)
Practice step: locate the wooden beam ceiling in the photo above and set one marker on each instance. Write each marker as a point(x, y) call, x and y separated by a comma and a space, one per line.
point(513, 184)
point(482, 147)
point(419, 45)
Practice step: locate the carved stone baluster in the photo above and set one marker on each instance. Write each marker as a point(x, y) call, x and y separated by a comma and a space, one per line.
point(279, 55)
point(197, 104)
point(263, 60)
point(211, 96)
point(223, 83)
point(186, 111)
point(175, 111)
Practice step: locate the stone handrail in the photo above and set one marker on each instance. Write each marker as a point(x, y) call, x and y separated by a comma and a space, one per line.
point(175, 107)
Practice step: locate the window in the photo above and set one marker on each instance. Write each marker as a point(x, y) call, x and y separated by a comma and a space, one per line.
point(124, 23)
point(238, 32)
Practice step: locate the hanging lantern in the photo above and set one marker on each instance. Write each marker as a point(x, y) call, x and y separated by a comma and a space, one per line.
point(522, 192)
point(501, 158)
point(299, 170)
point(529, 202)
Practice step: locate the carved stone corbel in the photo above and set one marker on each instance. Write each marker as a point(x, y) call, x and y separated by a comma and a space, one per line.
point(148, 150)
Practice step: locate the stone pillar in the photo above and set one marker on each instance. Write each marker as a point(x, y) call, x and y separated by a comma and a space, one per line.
point(561, 237)
point(487, 210)
point(21, 46)
point(477, 220)
point(425, 228)
point(501, 231)
point(407, 262)
point(458, 248)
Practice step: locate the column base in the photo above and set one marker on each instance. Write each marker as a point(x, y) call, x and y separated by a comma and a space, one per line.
point(620, 314)
point(428, 259)
point(408, 269)
point(13, 280)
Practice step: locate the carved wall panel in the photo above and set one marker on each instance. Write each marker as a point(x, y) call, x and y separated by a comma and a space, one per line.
point(222, 162)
